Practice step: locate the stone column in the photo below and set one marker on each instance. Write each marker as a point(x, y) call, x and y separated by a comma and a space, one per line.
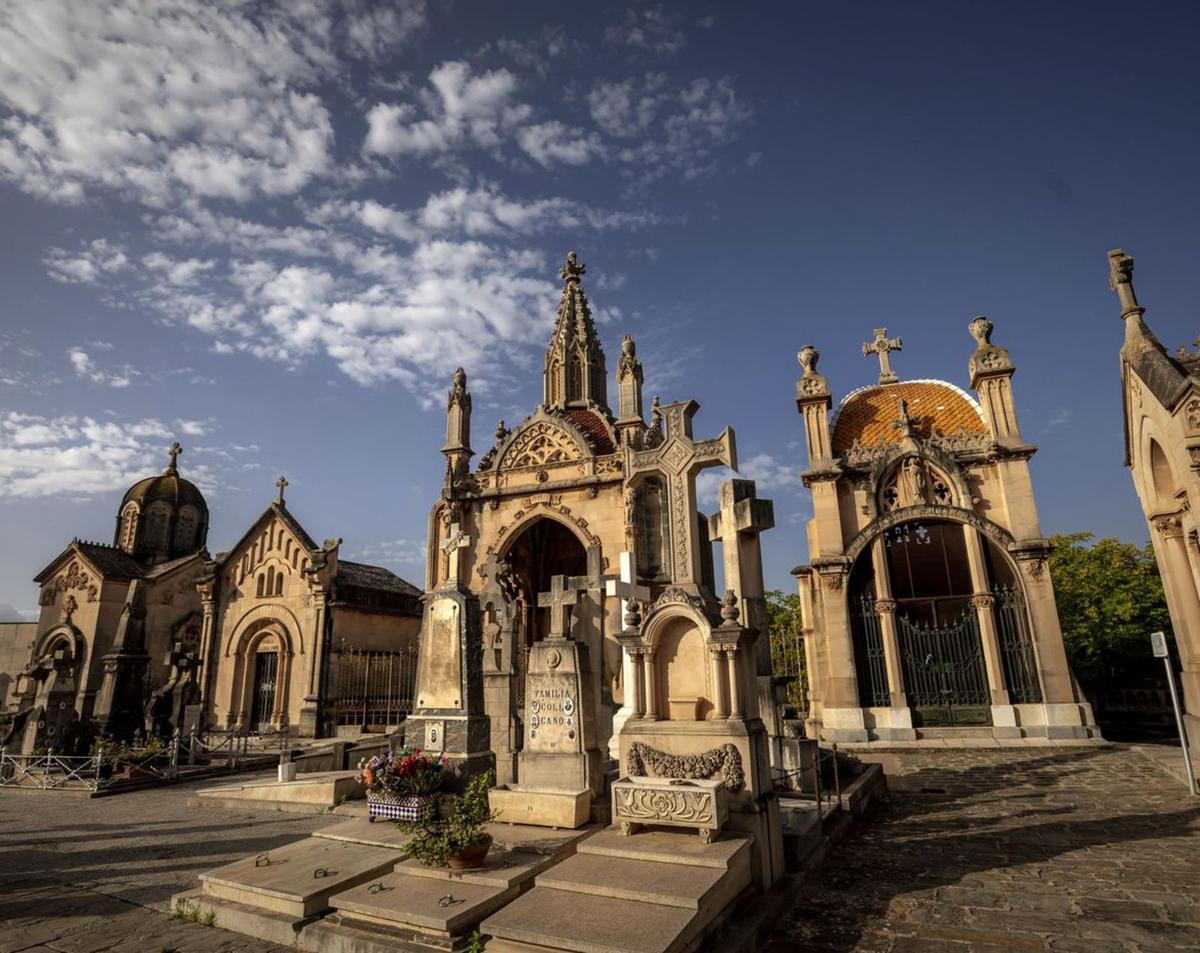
point(983, 602)
point(841, 713)
point(208, 606)
point(310, 714)
point(648, 685)
point(718, 679)
point(735, 692)
point(1184, 602)
point(636, 689)
point(885, 605)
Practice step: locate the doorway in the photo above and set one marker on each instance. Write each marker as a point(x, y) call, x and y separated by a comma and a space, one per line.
point(266, 674)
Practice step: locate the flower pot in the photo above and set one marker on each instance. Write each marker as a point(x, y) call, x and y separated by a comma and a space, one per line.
point(412, 807)
point(471, 856)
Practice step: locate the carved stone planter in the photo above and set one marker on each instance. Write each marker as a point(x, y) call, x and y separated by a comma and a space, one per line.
point(674, 802)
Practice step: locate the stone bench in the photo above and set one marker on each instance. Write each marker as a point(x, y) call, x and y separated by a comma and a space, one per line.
point(671, 802)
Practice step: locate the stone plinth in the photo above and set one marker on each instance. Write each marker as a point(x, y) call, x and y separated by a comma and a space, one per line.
point(519, 804)
point(671, 802)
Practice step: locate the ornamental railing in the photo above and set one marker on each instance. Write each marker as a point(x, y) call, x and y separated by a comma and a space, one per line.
point(1016, 647)
point(50, 771)
point(375, 690)
point(869, 655)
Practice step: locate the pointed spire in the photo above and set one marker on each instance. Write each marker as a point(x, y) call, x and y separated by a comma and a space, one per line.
point(629, 383)
point(574, 373)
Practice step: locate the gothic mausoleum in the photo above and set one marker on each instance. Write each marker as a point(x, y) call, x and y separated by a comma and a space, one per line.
point(928, 606)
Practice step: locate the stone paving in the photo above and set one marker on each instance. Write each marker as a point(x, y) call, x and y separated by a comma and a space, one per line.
point(82, 876)
point(1082, 850)
point(1090, 850)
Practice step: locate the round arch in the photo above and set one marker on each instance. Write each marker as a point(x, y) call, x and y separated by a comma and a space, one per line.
point(275, 612)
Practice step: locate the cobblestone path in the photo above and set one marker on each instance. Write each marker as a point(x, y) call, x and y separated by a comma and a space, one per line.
point(1083, 850)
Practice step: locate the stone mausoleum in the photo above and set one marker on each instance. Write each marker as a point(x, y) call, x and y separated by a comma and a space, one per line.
point(928, 606)
point(1161, 397)
point(150, 633)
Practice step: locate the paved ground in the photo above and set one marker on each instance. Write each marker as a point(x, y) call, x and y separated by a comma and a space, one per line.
point(1091, 850)
point(1086, 850)
point(81, 876)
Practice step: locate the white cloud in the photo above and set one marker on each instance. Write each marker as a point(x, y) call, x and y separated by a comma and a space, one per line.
point(176, 271)
point(373, 30)
point(650, 28)
point(88, 265)
point(460, 109)
point(80, 456)
point(165, 101)
point(768, 473)
point(391, 553)
point(87, 369)
point(10, 613)
point(551, 142)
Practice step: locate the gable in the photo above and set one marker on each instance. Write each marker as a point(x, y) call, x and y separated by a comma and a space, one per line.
point(276, 539)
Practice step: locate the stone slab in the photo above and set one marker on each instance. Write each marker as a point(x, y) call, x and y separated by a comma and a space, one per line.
point(543, 808)
point(677, 885)
point(444, 908)
point(361, 830)
point(537, 840)
point(288, 885)
point(278, 928)
point(589, 924)
point(500, 869)
point(321, 789)
point(666, 846)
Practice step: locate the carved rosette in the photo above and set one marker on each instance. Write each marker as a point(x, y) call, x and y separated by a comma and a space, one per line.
point(724, 762)
point(887, 606)
point(647, 805)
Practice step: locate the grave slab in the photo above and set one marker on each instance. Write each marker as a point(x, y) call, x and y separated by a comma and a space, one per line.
point(323, 789)
point(668, 846)
point(292, 882)
point(595, 874)
point(362, 830)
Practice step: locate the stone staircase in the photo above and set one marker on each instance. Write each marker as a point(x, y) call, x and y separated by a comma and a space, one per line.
point(657, 891)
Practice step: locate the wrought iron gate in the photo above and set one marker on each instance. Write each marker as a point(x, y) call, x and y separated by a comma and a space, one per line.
point(374, 689)
point(1016, 648)
point(266, 670)
point(868, 656)
point(944, 672)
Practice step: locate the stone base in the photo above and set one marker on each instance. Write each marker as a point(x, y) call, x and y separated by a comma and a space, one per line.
point(323, 789)
point(657, 891)
point(517, 804)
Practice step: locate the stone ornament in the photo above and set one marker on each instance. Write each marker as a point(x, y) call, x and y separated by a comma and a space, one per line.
point(671, 802)
point(881, 346)
point(988, 357)
point(724, 762)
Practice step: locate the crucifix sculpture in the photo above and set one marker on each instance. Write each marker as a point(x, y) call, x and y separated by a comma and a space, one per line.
point(452, 545)
point(174, 452)
point(560, 598)
point(679, 458)
point(881, 346)
point(282, 483)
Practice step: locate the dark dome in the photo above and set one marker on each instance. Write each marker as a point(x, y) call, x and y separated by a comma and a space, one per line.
point(162, 517)
point(168, 486)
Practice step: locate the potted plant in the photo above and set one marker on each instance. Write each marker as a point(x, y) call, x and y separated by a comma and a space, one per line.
point(402, 785)
point(460, 840)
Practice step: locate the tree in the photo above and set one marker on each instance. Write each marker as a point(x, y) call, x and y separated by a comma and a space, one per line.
point(1110, 598)
point(787, 647)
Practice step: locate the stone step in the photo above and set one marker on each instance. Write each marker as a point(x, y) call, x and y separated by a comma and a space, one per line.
point(680, 885)
point(291, 882)
point(361, 830)
point(668, 846)
point(443, 908)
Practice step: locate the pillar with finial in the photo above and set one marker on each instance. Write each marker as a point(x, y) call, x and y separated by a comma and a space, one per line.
point(813, 401)
point(991, 369)
point(458, 427)
point(629, 388)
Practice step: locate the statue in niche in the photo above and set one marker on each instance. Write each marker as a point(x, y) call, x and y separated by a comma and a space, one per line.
point(913, 484)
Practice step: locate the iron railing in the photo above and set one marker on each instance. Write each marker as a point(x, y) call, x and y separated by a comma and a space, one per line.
point(51, 771)
point(788, 660)
point(1016, 647)
point(375, 690)
point(944, 670)
point(869, 655)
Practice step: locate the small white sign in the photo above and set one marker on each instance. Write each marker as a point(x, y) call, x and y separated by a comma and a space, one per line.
point(435, 735)
point(1158, 644)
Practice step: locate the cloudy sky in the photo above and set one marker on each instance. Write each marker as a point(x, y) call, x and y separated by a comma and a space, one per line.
point(272, 231)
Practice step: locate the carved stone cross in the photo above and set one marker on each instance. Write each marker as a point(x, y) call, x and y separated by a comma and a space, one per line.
point(180, 658)
point(679, 458)
point(881, 346)
point(174, 452)
point(560, 597)
point(454, 543)
point(282, 483)
point(625, 586)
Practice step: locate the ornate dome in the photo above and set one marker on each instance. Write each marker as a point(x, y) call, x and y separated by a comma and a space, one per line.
point(866, 416)
point(163, 517)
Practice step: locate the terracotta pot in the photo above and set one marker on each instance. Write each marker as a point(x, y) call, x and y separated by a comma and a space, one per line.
point(471, 856)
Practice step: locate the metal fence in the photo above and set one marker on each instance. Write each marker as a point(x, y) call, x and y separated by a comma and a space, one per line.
point(787, 659)
point(374, 690)
point(96, 772)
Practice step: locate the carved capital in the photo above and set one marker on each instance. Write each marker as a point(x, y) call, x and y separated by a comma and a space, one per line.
point(887, 606)
point(982, 600)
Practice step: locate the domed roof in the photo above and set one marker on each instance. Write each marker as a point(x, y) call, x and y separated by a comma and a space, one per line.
point(168, 486)
point(866, 415)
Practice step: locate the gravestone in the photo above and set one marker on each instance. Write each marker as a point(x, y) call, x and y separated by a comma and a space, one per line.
point(54, 709)
point(449, 717)
point(559, 768)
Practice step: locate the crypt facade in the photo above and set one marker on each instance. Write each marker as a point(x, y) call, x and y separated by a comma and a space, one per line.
point(1161, 399)
point(150, 633)
point(928, 608)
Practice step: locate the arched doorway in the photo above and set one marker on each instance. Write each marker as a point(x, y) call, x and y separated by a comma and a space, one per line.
point(265, 686)
point(932, 597)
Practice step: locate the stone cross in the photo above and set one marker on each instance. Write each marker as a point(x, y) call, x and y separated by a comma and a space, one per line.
point(282, 483)
point(560, 597)
point(179, 658)
point(881, 346)
point(625, 586)
point(679, 458)
point(174, 452)
point(455, 543)
point(742, 518)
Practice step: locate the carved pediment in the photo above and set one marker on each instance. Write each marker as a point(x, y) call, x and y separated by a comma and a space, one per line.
point(538, 444)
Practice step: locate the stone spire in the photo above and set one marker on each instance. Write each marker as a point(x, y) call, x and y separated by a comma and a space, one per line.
point(629, 386)
point(1139, 339)
point(574, 373)
point(458, 425)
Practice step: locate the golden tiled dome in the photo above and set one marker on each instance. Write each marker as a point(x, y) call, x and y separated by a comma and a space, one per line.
point(866, 415)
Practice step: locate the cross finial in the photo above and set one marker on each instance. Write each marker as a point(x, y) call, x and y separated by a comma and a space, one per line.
point(174, 452)
point(282, 483)
point(881, 345)
point(558, 600)
point(573, 269)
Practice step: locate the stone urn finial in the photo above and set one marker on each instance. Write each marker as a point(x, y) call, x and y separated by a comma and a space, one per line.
point(808, 357)
point(981, 330)
point(729, 608)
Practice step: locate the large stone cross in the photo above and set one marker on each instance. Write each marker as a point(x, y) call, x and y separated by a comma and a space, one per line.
point(881, 346)
point(625, 586)
point(560, 597)
point(452, 545)
point(180, 658)
point(679, 458)
point(282, 483)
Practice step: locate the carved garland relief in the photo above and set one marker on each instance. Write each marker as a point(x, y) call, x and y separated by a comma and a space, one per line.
point(724, 762)
point(73, 579)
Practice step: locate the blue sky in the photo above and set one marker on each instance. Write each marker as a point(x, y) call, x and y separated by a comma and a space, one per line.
point(273, 231)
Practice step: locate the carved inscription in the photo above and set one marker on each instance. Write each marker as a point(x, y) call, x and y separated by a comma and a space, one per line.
point(553, 703)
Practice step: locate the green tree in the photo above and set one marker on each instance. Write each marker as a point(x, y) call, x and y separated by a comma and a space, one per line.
point(1110, 598)
point(787, 647)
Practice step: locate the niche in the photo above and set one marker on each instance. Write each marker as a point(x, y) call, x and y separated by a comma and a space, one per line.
point(682, 673)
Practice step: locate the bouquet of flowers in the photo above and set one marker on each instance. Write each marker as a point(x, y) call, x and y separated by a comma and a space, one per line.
point(405, 772)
